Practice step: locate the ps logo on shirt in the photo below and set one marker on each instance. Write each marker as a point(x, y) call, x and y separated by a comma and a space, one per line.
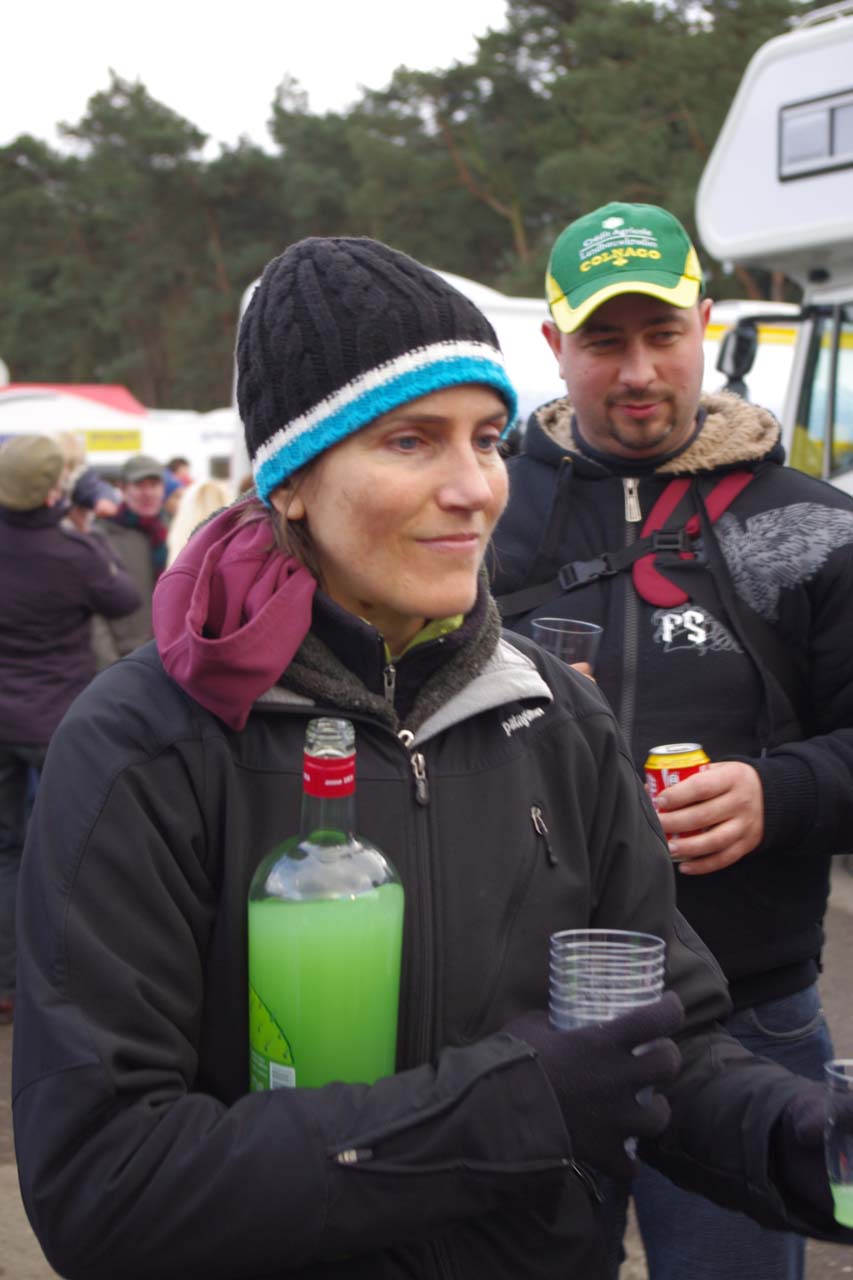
point(687, 627)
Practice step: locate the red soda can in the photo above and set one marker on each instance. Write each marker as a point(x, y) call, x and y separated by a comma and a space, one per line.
point(671, 763)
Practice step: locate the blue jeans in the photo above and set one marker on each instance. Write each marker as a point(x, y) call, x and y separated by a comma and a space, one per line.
point(686, 1236)
point(17, 768)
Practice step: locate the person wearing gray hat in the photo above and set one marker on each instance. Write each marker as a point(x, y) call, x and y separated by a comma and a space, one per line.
point(30, 472)
point(137, 534)
point(141, 467)
point(51, 582)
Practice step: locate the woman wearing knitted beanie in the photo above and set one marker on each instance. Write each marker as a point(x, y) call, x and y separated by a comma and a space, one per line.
point(351, 584)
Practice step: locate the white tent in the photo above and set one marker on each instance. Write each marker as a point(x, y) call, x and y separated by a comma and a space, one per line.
point(111, 434)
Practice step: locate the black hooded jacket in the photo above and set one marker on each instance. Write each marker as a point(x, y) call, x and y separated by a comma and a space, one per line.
point(698, 670)
point(511, 811)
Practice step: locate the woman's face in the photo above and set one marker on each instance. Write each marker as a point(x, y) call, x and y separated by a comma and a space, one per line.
point(400, 514)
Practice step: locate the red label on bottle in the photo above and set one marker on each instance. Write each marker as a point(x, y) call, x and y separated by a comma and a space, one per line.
point(327, 778)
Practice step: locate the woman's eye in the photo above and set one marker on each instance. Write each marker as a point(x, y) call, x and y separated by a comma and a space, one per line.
point(488, 441)
point(407, 444)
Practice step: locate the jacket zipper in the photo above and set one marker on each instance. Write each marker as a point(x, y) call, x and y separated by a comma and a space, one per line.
point(421, 1036)
point(389, 682)
point(543, 833)
point(418, 767)
point(633, 514)
point(628, 698)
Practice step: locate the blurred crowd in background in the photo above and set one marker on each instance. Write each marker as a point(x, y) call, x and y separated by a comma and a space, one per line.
point(80, 556)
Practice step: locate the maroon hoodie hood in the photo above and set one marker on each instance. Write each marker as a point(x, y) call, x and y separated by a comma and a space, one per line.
point(230, 614)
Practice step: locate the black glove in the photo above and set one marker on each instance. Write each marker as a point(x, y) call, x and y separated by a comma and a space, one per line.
point(597, 1076)
point(797, 1160)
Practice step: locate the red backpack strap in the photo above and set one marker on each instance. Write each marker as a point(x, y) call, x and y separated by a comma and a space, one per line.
point(649, 582)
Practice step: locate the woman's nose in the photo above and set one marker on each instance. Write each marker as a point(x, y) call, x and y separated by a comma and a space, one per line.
point(466, 482)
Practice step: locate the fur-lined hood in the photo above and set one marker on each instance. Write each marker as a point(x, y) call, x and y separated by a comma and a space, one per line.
point(734, 431)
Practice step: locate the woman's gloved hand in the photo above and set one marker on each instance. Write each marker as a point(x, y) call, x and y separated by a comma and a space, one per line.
point(597, 1073)
point(797, 1161)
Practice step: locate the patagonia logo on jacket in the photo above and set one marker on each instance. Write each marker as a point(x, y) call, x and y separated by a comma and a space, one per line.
point(521, 721)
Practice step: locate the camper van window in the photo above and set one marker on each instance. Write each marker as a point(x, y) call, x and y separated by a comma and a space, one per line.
point(829, 372)
point(842, 127)
point(815, 136)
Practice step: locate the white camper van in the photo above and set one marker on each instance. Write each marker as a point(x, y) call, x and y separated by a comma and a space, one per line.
point(777, 193)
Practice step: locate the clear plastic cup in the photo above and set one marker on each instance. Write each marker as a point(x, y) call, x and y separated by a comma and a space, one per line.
point(595, 975)
point(569, 639)
point(838, 1140)
point(600, 973)
point(613, 942)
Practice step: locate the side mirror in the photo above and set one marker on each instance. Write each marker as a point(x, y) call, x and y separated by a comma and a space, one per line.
point(737, 355)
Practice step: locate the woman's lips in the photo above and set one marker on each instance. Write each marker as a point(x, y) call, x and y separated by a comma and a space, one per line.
point(452, 542)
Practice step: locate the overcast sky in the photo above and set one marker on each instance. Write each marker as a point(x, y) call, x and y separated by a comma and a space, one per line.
point(219, 64)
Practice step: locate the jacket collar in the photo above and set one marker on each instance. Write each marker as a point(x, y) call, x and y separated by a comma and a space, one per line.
point(733, 433)
point(508, 677)
point(343, 662)
point(40, 518)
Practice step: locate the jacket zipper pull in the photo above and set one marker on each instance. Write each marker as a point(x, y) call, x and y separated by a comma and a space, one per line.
point(543, 833)
point(389, 681)
point(633, 514)
point(418, 766)
point(421, 783)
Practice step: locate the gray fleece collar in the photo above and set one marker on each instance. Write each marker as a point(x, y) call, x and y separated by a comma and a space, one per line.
point(508, 676)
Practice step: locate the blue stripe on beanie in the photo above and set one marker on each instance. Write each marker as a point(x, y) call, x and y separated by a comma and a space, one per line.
point(330, 429)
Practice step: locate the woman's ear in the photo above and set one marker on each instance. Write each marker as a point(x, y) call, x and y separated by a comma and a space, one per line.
point(288, 503)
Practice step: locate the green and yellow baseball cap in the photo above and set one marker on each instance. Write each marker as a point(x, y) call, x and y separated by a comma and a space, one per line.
point(620, 248)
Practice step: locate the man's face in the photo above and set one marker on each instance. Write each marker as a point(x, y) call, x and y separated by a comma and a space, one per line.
point(634, 373)
point(145, 497)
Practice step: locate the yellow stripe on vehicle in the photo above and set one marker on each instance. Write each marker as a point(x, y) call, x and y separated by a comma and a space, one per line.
point(771, 334)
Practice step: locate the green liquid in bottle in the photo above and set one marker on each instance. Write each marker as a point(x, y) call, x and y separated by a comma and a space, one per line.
point(842, 1197)
point(324, 985)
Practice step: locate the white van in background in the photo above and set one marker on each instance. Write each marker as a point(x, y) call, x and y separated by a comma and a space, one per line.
point(769, 374)
point(777, 193)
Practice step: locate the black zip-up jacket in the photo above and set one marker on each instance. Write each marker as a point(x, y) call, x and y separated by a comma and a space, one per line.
point(682, 673)
point(513, 811)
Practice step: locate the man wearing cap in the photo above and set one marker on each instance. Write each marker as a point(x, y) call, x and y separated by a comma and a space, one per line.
point(724, 584)
point(137, 534)
point(52, 581)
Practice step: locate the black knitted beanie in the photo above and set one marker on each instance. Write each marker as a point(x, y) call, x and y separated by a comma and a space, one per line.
point(340, 331)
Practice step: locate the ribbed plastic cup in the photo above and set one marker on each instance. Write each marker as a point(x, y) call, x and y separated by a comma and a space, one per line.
point(613, 942)
point(838, 1138)
point(597, 974)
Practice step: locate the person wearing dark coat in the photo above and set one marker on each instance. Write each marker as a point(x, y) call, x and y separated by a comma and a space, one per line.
point(52, 580)
point(374, 397)
point(723, 581)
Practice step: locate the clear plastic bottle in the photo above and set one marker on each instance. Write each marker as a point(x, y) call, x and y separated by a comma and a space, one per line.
point(325, 937)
